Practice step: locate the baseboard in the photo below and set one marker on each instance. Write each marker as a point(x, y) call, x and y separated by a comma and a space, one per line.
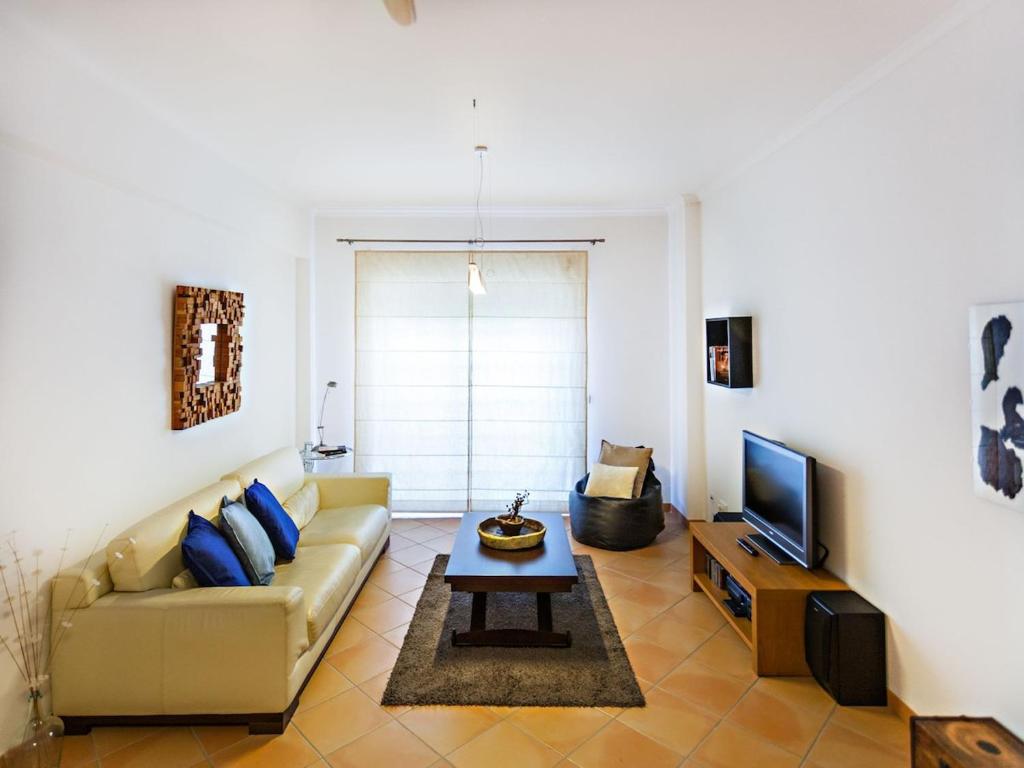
point(672, 509)
point(897, 705)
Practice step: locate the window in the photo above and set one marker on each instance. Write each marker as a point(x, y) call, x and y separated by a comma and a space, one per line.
point(467, 398)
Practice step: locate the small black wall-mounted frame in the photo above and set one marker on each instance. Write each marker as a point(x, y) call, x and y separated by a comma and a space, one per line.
point(193, 403)
point(728, 358)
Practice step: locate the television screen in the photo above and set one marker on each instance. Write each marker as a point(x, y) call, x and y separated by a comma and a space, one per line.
point(778, 495)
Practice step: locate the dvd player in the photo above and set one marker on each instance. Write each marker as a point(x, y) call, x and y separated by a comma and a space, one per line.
point(738, 602)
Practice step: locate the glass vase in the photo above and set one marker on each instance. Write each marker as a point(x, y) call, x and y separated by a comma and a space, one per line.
point(44, 739)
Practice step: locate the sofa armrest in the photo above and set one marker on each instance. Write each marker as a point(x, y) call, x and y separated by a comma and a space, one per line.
point(79, 586)
point(349, 490)
point(205, 650)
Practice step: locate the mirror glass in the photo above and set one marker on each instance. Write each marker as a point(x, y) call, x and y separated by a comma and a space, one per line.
point(207, 353)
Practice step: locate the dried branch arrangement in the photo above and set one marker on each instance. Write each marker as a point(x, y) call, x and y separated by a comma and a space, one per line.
point(512, 511)
point(27, 635)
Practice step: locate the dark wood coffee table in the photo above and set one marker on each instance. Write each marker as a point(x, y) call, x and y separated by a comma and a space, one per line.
point(475, 568)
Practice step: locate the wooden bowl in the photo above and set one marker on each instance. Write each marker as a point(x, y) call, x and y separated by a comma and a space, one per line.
point(492, 536)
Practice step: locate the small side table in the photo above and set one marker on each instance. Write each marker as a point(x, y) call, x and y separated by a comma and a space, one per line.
point(311, 457)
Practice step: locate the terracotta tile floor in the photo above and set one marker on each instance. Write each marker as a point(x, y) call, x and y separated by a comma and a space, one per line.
point(705, 707)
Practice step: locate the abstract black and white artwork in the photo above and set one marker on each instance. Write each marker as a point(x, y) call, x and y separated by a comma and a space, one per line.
point(997, 396)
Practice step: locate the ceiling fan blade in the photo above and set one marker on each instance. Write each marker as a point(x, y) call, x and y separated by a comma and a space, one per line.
point(402, 11)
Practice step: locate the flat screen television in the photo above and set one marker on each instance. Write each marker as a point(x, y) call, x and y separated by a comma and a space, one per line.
point(778, 500)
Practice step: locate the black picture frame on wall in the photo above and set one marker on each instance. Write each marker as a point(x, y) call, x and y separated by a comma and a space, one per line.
point(728, 354)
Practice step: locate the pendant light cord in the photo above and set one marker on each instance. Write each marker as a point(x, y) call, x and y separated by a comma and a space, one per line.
point(478, 241)
point(478, 230)
point(481, 150)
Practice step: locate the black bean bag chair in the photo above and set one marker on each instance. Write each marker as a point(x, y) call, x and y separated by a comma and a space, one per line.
point(607, 523)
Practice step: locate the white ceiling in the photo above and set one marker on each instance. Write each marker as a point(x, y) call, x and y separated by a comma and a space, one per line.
point(583, 102)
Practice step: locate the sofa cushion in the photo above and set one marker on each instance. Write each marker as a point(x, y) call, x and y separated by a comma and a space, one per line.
point(148, 555)
point(265, 507)
point(281, 471)
point(302, 505)
point(209, 556)
point(326, 574)
point(248, 540)
point(361, 525)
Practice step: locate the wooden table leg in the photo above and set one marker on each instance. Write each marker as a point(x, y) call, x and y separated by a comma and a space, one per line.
point(478, 618)
point(542, 637)
point(544, 611)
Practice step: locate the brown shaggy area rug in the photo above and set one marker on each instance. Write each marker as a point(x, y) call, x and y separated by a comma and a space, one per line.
point(593, 672)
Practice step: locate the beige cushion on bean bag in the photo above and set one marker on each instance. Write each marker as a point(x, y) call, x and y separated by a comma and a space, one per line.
point(611, 482)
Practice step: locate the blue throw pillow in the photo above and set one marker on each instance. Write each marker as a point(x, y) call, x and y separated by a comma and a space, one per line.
point(248, 540)
point(275, 521)
point(209, 556)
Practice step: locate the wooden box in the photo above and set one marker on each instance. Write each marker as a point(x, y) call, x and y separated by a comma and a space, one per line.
point(729, 340)
point(963, 742)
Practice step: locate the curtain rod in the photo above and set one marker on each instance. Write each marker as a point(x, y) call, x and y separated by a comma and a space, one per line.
point(479, 243)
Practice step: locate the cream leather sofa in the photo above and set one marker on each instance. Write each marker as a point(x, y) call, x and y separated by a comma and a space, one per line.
point(139, 651)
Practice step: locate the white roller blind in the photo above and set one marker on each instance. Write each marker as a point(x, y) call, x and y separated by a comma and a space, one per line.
point(467, 399)
point(412, 368)
point(529, 377)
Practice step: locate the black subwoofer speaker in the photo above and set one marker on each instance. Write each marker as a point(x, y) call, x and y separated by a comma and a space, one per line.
point(845, 645)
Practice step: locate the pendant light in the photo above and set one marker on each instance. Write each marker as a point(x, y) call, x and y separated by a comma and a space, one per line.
point(476, 278)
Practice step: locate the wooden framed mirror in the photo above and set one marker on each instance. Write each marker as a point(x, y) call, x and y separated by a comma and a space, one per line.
point(206, 349)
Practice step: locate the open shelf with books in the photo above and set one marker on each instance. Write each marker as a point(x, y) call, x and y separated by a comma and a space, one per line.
point(729, 352)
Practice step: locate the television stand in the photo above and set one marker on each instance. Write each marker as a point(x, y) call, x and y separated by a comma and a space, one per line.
point(778, 596)
point(770, 548)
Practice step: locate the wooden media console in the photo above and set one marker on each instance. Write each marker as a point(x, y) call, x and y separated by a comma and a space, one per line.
point(778, 593)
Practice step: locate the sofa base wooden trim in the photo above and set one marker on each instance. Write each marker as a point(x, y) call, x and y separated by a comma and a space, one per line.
point(258, 722)
point(268, 723)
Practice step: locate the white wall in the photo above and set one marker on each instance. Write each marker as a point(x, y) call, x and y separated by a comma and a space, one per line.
point(858, 247)
point(628, 336)
point(304, 350)
point(103, 210)
point(686, 359)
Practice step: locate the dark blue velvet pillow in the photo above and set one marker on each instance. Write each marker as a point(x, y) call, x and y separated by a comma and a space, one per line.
point(209, 556)
point(275, 521)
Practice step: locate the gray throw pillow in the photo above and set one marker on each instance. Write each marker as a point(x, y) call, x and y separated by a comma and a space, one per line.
point(248, 540)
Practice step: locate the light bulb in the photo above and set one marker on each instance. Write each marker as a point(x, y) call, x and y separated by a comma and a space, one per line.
point(476, 280)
